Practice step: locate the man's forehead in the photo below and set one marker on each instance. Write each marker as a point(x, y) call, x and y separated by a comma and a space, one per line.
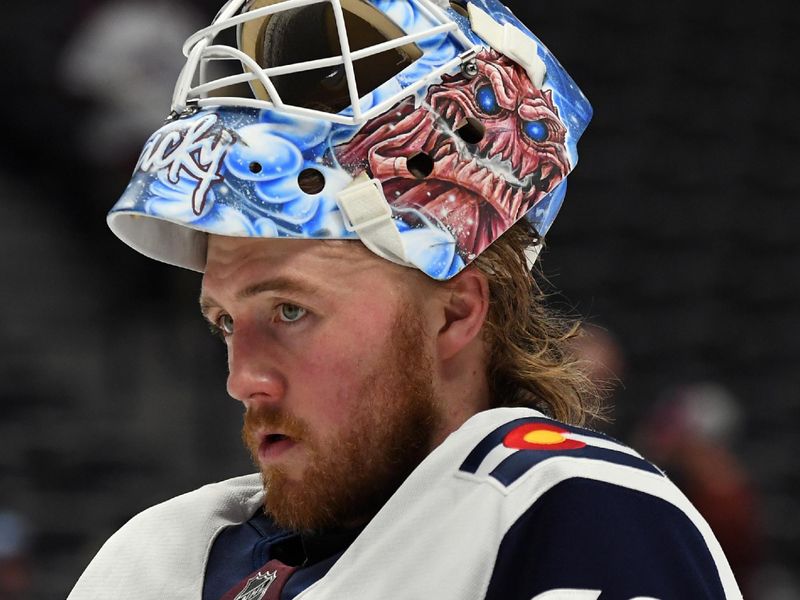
point(236, 264)
point(228, 255)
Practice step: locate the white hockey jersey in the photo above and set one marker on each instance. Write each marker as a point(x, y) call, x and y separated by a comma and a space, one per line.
point(512, 505)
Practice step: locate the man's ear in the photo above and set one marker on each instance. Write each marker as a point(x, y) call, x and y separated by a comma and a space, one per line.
point(465, 307)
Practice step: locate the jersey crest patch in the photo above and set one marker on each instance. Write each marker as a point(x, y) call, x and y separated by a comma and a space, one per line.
point(514, 448)
point(257, 586)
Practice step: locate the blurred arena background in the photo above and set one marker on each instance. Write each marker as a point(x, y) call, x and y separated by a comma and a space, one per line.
point(678, 243)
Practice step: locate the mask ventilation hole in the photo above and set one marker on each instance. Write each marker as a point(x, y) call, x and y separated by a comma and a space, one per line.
point(255, 167)
point(471, 130)
point(420, 165)
point(311, 181)
point(459, 8)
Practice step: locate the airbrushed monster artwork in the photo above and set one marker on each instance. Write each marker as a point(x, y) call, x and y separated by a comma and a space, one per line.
point(517, 132)
point(461, 143)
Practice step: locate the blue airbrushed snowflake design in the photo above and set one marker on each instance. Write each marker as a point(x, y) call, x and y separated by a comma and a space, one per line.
point(437, 50)
point(263, 167)
point(256, 191)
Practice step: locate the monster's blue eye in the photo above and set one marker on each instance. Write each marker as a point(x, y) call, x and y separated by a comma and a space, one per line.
point(487, 100)
point(536, 130)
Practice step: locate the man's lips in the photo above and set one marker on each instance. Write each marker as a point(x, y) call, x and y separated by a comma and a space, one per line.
point(274, 445)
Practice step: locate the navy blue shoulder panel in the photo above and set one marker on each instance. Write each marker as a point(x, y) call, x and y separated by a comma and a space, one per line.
point(592, 535)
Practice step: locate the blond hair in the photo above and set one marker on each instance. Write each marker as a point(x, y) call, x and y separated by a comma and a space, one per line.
point(528, 343)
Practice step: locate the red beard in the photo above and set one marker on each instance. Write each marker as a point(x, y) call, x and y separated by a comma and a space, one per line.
point(348, 479)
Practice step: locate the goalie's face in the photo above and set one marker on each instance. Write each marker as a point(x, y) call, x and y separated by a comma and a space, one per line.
point(329, 350)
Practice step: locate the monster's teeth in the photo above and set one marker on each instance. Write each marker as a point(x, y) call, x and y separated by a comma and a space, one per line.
point(451, 169)
point(462, 171)
point(507, 151)
point(523, 199)
point(445, 149)
point(500, 147)
point(521, 161)
point(546, 170)
point(542, 182)
point(445, 164)
point(448, 114)
point(443, 114)
point(492, 184)
point(518, 196)
point(457, 163)
point(507, 197)
point(517, 199)
point(451, 115)
point(478, 177)
point(433, 141)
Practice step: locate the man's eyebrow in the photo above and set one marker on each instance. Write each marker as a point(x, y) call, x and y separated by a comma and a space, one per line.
point(275, 284)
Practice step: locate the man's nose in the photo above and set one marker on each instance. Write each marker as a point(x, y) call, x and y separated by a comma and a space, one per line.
point(253, 373)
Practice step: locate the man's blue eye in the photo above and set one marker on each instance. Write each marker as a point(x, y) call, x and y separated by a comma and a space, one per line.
point(536, 130)
point(289, 313)
point(224, 324)
point(487, 100)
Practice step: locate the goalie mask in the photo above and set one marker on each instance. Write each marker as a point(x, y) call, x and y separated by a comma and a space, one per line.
point(424, 128)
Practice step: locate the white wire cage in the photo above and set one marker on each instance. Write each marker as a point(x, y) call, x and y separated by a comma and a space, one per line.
point(195, 89)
